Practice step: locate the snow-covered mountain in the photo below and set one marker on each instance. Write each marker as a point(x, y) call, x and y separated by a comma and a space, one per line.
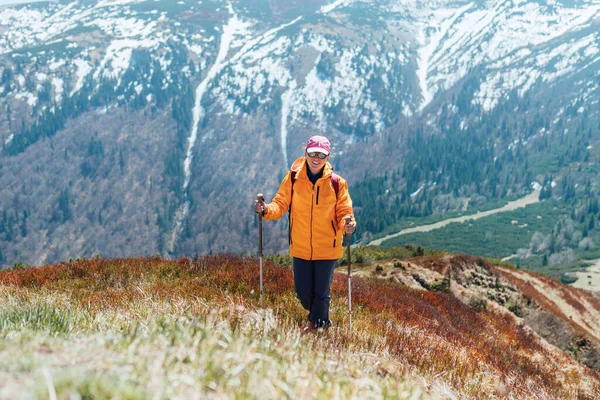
point(143, 126)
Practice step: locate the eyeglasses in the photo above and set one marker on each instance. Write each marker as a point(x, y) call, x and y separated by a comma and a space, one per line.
point(314, 154)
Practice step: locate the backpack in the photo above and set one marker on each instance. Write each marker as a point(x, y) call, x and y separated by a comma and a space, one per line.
point(335, 182)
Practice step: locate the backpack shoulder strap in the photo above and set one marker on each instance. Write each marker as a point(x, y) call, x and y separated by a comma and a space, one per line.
point(335, 181)
point(293, 176)
point(293, 173)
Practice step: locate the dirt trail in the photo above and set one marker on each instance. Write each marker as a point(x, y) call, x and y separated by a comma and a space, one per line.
point(590, 278)
point(531, 198)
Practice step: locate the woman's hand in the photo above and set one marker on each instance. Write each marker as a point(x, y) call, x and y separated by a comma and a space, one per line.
point(260, 207)
point(350, 227)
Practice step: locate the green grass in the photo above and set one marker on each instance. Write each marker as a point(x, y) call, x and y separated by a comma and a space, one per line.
point(40, 317)
point(493, 236)
point(501, 235)
point(409, 222)
point(163, 350)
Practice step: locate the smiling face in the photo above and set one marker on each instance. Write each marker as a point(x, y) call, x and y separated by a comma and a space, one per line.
point(315, 163)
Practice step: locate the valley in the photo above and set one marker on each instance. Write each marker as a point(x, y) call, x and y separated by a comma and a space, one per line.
point(531, 198)
point(147, 127)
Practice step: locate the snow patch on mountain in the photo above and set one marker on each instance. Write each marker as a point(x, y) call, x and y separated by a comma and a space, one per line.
point(233, 30)
point(253, 75)
point(286, 100)
point(431, 35)
point(109, 3)
point(83, 69)
point(336, 4)
point(349, 90)
point(251, 47)
point(546, 66)
point(124, 29)
point(495, 33)
point(116, 60)
point(28, 97)
point(128, 28)
point(257, 73)
point(22, 27)
point(58, 85)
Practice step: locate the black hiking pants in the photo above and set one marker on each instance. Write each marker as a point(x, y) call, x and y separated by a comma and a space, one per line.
point(312, 280)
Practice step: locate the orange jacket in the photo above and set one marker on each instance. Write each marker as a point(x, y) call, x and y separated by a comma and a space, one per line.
point(317, 217)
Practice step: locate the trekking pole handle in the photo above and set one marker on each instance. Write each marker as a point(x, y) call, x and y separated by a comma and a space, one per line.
point(348, 219)
point(261, 200)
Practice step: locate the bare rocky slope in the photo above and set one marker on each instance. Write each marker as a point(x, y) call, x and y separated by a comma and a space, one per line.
point(562, 316)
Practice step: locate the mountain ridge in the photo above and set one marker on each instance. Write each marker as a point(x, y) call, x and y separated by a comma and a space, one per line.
point(401, 91)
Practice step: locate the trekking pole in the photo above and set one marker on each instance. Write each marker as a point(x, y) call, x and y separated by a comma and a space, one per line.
point(261, 200)
point(348, 220)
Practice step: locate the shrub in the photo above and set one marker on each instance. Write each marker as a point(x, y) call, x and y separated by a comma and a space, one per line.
point(499, 262)
point(284, 260)
point(442, 285)
point(20, 265)
point(515, 306)
point(568, 279)
point(478, 304)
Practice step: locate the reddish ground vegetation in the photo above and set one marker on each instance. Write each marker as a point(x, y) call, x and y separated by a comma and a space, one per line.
point(464, 261)
point(432, 331)
point(434, 262)
point(488, 338)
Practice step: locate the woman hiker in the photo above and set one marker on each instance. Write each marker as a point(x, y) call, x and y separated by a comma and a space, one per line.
point(318, 201)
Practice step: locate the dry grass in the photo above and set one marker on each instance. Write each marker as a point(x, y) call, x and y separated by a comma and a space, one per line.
point(140, 328)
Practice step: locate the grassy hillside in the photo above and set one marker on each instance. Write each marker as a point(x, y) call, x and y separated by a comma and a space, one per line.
point(192, 328)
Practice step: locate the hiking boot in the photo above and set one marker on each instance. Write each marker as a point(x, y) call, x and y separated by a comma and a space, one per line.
point(323, 326)
point(309, 327)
